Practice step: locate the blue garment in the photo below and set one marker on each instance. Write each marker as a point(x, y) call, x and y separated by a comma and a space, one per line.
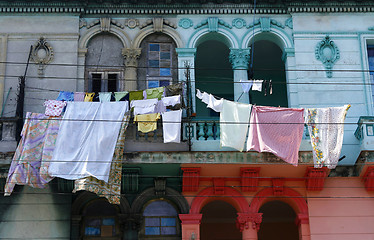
point(65, 96)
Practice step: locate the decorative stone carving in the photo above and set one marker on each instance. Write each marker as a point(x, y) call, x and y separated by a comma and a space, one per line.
point(185, 23)
point(42, 54)
point(328, 53)
point(82, 23)
point(315, 178)
point(243, 220)
point(131, 56)
point(158, 24)
point(191, 179)
point(213, 23)
point(160, 186)
point(239, 58)
point(249, 178)
point(265, 24)
point(132, 23)
point(289, 23)
point(278, 186)
point(117, 23)
point(105, 24)
point(238, 23)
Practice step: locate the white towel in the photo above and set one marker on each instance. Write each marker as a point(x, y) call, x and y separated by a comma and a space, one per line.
point(172, 100)
point(171, 122)
point(85, 148)
point(246, 85)
point(234, 120)
point(257, 85)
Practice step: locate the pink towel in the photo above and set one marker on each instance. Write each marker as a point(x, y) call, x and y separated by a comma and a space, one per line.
point(276, 130)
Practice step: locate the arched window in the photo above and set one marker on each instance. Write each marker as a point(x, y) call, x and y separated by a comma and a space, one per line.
point(100, 221)
point(160, 221)
point(158, 62)
point(104, 64)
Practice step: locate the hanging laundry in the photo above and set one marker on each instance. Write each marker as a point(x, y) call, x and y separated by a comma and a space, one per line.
point(276, 130)
point(326, 130)
point(89, 97)
point(65, 96)
point(31, 160)
point(175, 89)
point(171, 126)
point(155, 93)
point(54, 108)
point(112, 189)
point(234, 119)
point(147, 122)
point(246, 85)
point(257, 85)
point(160, 107)
point(136, 95)
point(79, 96)
point(143, 106)
point(267, 87)
point(120, 96)
point(172, 101)
point(96, 98)
point(105, 96)
point(86, 140)
point(210, 100)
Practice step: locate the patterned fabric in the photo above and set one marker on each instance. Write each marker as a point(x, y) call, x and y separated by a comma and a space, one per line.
point(112, 189)
point(155, 93)
point(326, 130)
point(65, 96)
point(31, 159)
point(54, 107)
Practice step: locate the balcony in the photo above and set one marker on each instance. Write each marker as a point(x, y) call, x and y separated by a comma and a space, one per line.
point(365, 133)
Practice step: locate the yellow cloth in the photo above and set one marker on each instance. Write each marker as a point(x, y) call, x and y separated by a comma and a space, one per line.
point(89, 97)
point(147, 122)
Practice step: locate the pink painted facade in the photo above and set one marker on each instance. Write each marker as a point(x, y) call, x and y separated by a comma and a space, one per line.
point(325, 208)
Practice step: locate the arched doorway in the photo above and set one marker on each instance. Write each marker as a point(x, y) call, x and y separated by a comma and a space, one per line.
point(278, 222)
point(268, 65)
point(213, 71)
point(219, 222)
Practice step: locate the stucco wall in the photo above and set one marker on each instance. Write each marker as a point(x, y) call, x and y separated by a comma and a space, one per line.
point(35, 214)
point(342, 210)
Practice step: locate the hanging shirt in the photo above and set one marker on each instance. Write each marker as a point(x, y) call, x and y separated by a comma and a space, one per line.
point(276, 130)
point(257, 85)
point(171, 101)
point(54, 107)
point(234, 119)
point(147, 122)
point(136, 95)
point(119, 96)
point(210, 100)
point(85, 145)
point(246, 85)
point(144, 106)
point(79, 96)
point(155, 93)
point(89, 97)
point(105, 96)
point(175, 89)
point(326, 130)
point(65, 96)
point(171, 126)
point(31, 160)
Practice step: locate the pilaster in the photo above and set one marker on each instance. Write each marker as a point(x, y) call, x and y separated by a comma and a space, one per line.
point(131, 56)
point(239, 59)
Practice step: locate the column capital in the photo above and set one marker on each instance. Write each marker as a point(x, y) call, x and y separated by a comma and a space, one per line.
point(239, 58)
point(186, 52)
point(243, 220)
point(190, 218)
point(131, 56)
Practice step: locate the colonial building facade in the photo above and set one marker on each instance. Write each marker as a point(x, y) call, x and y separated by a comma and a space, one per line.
point(317, 54)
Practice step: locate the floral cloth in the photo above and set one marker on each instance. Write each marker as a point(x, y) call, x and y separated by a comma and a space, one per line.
point(326, 130)
point(31, 159)
point(112, 189)
point(54, 107)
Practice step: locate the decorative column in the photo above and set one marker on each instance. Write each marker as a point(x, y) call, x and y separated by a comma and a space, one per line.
point(288, 58)
point(239, 59)
point(186, 56)
point(131, 56)
point(302, 221)
point(190, 226)
point(81, 68)
point(249, 224)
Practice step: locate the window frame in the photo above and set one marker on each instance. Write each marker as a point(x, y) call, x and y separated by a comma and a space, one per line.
point(365, 40)
point(104, 79)
point(159, 77)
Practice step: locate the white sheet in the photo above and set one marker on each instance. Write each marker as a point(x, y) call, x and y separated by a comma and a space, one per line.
point(85, 148)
